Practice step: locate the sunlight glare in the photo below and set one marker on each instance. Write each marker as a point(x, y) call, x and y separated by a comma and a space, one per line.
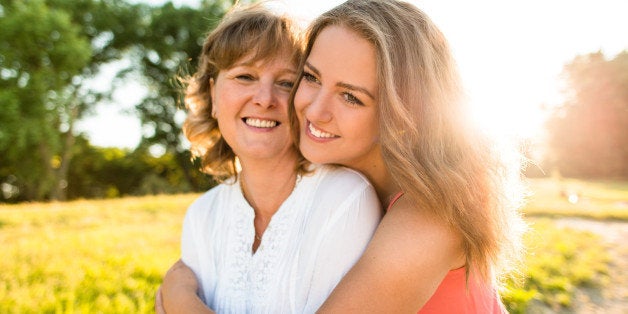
point(521, 122)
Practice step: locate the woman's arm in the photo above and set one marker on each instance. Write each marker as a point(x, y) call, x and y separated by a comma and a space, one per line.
point(408, 257)
point(178, 292)
point(344, 225)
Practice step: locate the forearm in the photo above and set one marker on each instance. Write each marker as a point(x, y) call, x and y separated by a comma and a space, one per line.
point(181, 301)
point(179, 291)
point(402, 267)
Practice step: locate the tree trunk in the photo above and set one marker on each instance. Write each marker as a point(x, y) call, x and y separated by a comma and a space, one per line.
point(43, 186)
point(59, 190)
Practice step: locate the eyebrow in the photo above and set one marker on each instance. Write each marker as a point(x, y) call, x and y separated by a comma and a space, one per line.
point(342, 84)
point(250, 64)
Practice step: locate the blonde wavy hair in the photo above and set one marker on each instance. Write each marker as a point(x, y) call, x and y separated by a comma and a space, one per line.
point(440, 159)
point(244, 30)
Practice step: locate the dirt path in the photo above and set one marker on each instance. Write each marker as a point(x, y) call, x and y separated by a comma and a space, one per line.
point(614, 298)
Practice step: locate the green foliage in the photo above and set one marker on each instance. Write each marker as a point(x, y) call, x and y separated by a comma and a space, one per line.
point(559, 260)
point(588, 135)
point(170, 46)
point(112, 172)
point(41, 51)
point(49, 49)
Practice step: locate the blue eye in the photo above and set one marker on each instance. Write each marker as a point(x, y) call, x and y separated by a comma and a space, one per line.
point(245, 77)
point(286, 84)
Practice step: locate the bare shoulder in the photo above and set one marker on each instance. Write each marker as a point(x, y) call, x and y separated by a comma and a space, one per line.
point(408, 257)
point(412, 223)
point(410, 235)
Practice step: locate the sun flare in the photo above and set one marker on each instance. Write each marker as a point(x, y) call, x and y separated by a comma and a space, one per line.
point(521, 122)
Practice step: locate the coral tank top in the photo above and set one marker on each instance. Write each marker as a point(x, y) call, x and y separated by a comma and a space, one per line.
point(453, 295)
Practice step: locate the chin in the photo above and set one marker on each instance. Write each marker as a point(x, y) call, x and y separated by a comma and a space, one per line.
point(313, 155)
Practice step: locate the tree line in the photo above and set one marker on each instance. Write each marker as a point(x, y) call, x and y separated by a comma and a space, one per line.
point(49, 49)
point(588, 133)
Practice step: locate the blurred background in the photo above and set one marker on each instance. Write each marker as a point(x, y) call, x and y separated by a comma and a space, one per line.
point(93, 163)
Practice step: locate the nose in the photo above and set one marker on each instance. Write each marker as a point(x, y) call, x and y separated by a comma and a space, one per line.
point(265, 95)
point(319, 108)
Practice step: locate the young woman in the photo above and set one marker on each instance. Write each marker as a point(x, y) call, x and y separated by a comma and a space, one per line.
point(379, 93)
point(265, 239)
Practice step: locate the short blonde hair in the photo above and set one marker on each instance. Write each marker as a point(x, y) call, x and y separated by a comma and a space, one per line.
point(246, 30)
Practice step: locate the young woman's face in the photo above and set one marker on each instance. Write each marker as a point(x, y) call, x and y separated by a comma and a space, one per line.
point(250, 102)
point(336, 101)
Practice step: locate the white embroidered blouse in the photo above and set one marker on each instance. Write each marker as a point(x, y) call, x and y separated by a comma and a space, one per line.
point(315, 237)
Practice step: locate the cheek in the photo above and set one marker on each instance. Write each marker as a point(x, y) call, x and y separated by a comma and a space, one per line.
point(363, 127)
point(283, 98)
point(302, 98)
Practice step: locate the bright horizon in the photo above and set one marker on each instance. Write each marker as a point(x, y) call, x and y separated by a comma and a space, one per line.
point(510, 57)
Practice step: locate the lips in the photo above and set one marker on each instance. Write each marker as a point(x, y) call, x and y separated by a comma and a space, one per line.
point(317, 133)
point(260, 123)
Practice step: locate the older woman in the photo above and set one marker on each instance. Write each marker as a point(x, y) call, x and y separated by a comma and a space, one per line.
point(277, 235)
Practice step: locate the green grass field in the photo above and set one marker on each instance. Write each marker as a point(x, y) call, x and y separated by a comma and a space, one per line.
point(604, 200)
point(104, 256)
point(108, 256)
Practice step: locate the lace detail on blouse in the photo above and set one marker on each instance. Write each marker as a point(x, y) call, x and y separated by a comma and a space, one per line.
point(315, 237)
point(251, 273)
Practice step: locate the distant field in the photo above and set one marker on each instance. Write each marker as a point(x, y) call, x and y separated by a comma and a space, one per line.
point(577, 198)
point(108, 256)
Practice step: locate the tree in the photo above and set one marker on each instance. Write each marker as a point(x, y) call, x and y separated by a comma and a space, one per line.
point(49, 49)
point(588, 134)
point(41, 53)
point(170, 47)
point(88, 34)
point(112, 27)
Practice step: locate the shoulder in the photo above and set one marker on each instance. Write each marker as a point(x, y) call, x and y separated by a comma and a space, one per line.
point(408, 218)
point(341, 190)
point(339, 176)
point(407, 258)
point(211, 200)
point(408, 227)
point(336, 183)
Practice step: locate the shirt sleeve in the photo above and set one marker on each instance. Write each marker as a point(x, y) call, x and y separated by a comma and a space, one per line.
point(343, 239)
point(188, 244)
point(191, 244)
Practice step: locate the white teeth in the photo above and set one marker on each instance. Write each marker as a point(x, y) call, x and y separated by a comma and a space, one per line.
point(318, 133)
point(258, 123)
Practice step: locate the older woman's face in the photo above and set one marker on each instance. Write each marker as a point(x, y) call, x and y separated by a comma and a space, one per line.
point(250, 102)
point(336, 101)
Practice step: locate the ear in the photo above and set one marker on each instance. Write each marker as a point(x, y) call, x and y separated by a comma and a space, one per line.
point(211, 95)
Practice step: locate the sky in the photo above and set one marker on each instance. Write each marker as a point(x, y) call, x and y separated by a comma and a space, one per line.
point(510, 55)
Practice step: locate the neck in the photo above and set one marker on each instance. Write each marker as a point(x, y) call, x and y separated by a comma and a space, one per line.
point(381, 179)
point(267, 186)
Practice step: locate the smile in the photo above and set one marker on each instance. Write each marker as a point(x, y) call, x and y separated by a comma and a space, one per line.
point(319, 133)
point(259, 123)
